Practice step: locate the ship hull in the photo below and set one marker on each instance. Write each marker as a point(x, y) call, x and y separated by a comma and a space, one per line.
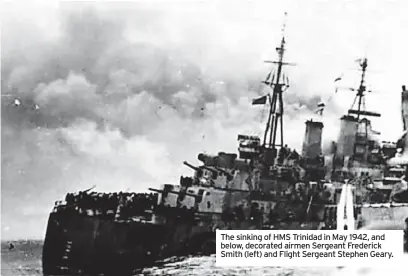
point(80, 244)
point(75, 244)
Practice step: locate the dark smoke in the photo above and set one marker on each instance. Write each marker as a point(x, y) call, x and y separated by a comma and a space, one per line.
point(98, 108)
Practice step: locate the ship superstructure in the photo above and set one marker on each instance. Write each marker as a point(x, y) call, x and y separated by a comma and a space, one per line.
point(361, 160)
point(261, 185)
point(265, 185)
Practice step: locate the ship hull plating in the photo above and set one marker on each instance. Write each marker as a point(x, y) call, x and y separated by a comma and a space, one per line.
point(77, 244)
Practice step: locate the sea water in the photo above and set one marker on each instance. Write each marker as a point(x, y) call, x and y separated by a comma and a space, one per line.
point(25, 259)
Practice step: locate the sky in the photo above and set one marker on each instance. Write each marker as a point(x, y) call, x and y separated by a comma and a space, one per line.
point(118, 95)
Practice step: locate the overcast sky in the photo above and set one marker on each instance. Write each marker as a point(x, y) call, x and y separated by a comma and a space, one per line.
point(126, 92)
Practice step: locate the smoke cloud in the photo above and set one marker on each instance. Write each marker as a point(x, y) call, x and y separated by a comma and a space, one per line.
point(118, 95)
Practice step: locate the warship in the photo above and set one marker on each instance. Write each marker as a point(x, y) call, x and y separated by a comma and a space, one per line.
point(266, 185)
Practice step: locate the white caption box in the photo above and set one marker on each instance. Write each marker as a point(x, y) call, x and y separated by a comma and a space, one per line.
point(309, 248)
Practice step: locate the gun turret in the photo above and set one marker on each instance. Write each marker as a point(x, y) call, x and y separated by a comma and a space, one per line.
point(191, 166)
point(205, 158)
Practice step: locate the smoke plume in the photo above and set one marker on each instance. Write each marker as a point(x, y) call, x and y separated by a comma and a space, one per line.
point(119, 95)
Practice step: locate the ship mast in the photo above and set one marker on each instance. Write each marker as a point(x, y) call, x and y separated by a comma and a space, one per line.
point(275, 117)
point(360, 91)
point(360, 111)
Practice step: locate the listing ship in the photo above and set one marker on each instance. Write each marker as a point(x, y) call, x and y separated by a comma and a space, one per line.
point(265, 186)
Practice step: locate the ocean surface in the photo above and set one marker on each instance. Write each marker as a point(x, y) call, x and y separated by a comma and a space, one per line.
point(25, 259)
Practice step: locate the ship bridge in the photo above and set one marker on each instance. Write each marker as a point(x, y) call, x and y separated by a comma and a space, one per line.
point(249, 146)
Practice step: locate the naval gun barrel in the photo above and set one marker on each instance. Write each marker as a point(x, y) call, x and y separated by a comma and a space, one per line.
point(191, 166)
point(174, 192)
point(227, 173)
point(224, 171)
point(230, 190)
point(212, 169)
point(88, 190)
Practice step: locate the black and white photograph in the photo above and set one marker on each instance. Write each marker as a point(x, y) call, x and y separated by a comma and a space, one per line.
point(132, 132)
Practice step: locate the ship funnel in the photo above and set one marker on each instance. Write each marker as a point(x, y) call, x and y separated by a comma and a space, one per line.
point(312, 143)
point(347, 136)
